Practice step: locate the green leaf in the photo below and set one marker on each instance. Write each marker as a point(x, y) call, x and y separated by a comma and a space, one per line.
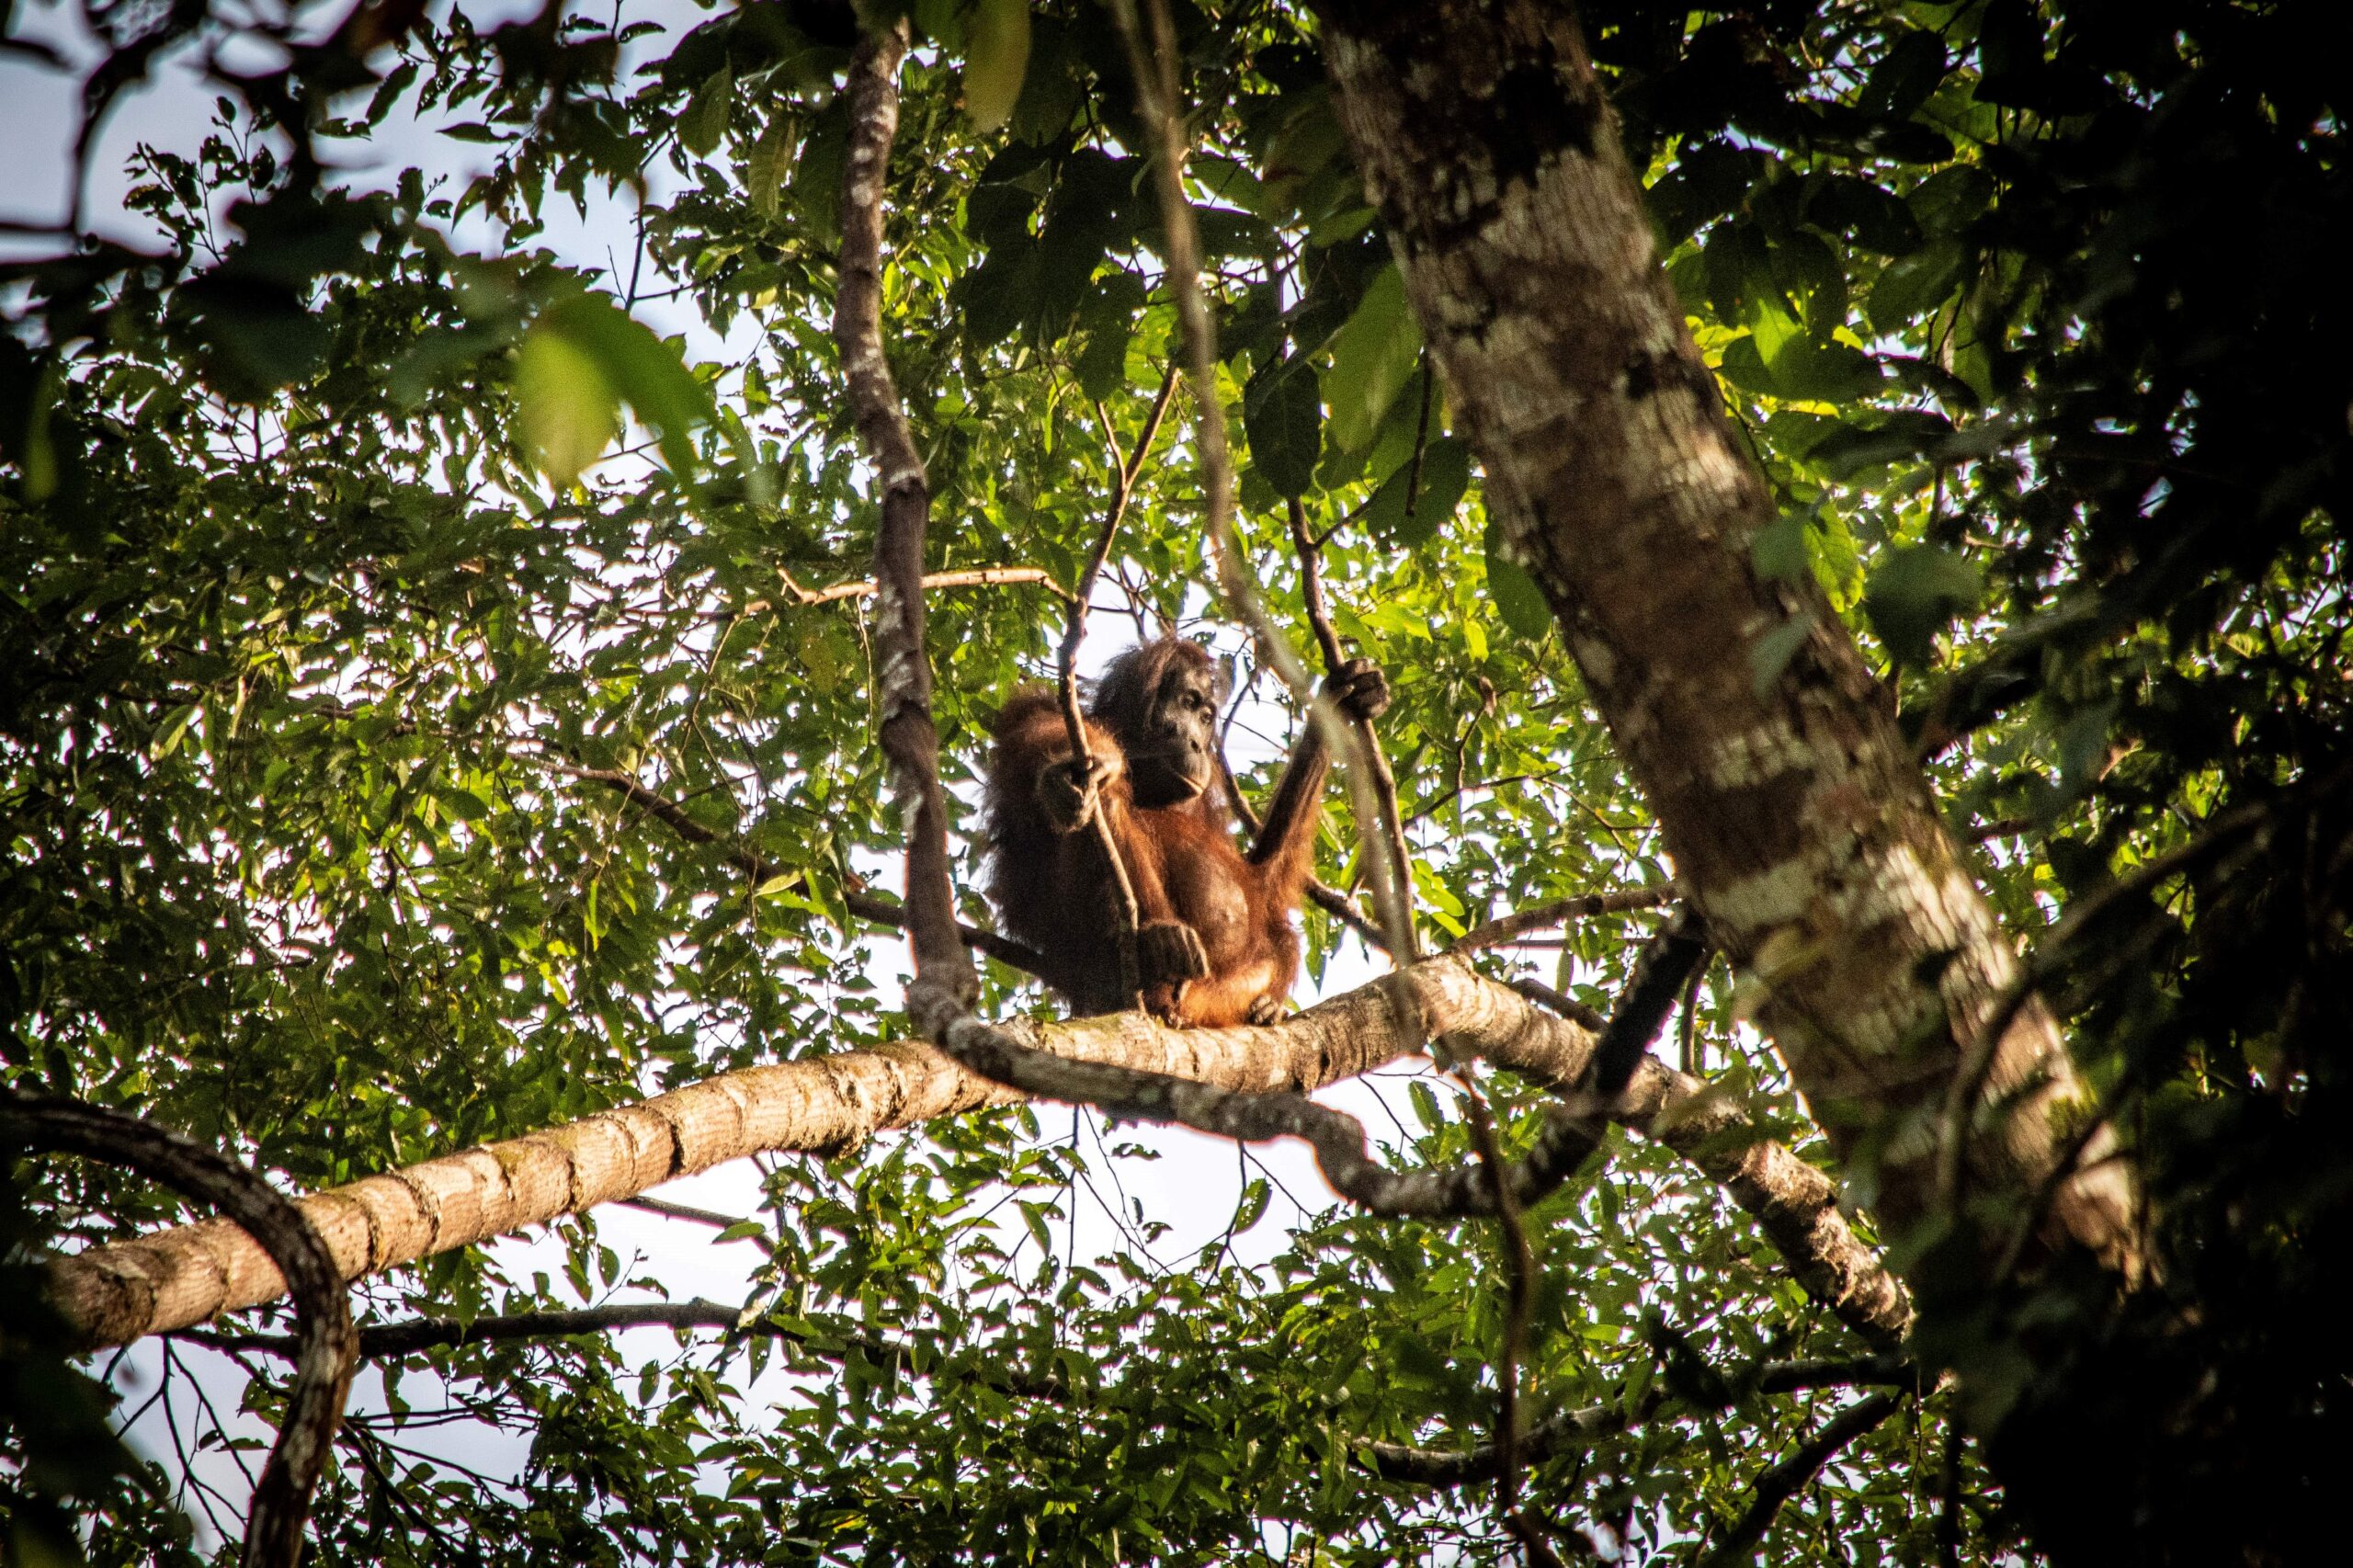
point(1951, 199)
point(638, 366)
point(1904, 75)
point(1873, 216)
point(1519, 601)
point(765, 170)
point(1915, 592)
point(1913, 286)
point(996, 46)
point(1108, 318)
point(569, 411)
point(1902, 434)
point(1033, 1215)
point(1253, 1205)
point(1373, 355)
point(1282, 415)
point(175, 725)
point(1445, 476)
point(704, 120)
point(1824, 373)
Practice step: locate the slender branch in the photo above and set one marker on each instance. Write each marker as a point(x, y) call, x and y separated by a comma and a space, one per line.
point(385, 1341)
point(1392, 884)
point(910, 739)
point(1687, 1038)
point(759, 868)
point(971, 577)
point(1333, 902)
point(1793, 1474)
point(323, 1345)
point(1519, 1304)
point(1584, 906)
point(1126, 471)
point(1567, 1431)
point(688, 1212)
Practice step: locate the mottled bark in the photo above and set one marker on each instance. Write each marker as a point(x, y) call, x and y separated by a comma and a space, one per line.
point(902, 667)
point(187, 1275)
point(1798, 821)
point(323, 1347)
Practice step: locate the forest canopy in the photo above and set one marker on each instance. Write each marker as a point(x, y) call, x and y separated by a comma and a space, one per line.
point(1855, 490)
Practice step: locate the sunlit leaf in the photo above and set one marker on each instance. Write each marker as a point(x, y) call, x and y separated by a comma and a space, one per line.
point(997, 45)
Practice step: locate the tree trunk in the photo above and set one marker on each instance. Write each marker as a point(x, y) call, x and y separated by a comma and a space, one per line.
point(1798, 821)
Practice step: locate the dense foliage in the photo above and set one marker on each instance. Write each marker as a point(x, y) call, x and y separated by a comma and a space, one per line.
point(330, 626)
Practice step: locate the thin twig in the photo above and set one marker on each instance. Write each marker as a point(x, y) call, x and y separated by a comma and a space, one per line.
point(1125, 473)
point(1393, 887)
point(1520, 1303)
point(1568, 1430)
point(1688, 1030)
point(687, 1212)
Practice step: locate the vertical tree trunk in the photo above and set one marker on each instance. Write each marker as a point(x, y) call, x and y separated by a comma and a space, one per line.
point(1798, 820)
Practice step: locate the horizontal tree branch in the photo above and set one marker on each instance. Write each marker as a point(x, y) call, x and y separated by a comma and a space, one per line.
point(1567, 1431)
point(415, 1335)
point(1584, 906)
point(186, 1275)
point(974, 577)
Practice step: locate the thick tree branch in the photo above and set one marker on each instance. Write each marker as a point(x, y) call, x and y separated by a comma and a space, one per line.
point(186, 1275)
point(173, 1278)
point(323, 1345)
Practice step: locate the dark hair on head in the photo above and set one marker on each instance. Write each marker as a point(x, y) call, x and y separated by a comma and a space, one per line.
point(1128, 684)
